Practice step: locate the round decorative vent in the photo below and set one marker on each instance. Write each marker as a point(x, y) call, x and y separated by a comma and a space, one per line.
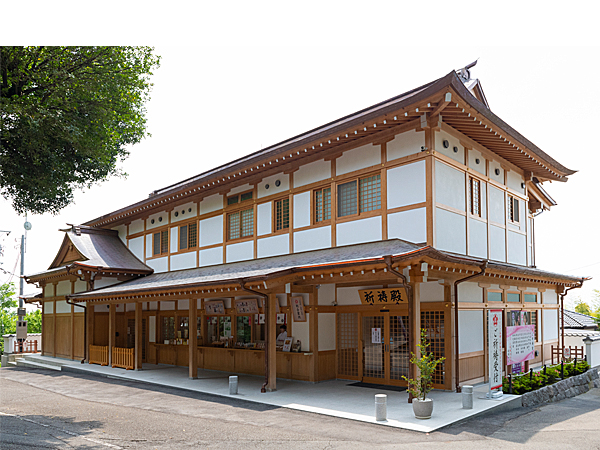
point(476, 160)
point(152, 221)
point(497, 171)
point(445, 143)
point(267, 186)
point(160, 219)
point(277, 183)
point(455, 149)
point(176, 213)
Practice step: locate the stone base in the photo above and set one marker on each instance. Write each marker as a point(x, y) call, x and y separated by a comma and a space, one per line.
point(561, 390)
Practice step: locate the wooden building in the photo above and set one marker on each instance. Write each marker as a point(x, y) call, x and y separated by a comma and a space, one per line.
point(417, 212)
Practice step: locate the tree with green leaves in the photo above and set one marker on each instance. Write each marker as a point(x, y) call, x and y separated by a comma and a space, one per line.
point(8, 313)
point(34, 321)
point(68, 115)
point(583, 308)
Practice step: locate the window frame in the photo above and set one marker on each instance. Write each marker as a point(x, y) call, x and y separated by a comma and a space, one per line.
point(239, 200)
point(315, 212)
point(358, 213)
point(472, 204)
point(241, 237)
point(188, 247)
point(161, 252)
point(275, 218)
point(512, 202)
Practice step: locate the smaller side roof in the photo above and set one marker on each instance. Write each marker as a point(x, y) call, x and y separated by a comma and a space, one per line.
point(580, 321)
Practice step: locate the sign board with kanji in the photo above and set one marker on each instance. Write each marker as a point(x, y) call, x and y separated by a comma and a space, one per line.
point(214, 307)
point(388, 296)
point(298, 309)
point(495, 348)
point(520, 343)
point(247, 306)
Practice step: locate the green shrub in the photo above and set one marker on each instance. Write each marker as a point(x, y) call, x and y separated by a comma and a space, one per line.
point(530, 382)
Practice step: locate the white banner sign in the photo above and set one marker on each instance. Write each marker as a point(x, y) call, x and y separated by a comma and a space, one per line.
point(495, 348)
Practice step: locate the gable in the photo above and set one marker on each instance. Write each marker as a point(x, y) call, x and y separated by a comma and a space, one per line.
point(67, 254)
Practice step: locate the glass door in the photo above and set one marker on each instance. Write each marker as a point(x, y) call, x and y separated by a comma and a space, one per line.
point(398, 348)
point(374, 348)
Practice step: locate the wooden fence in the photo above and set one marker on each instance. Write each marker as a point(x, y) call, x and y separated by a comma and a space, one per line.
point(26, 347)
point(99, 354)
point(123, 357)
point(559, 355)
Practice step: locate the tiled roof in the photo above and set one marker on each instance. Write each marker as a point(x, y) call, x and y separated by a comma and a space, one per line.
point(577, 320)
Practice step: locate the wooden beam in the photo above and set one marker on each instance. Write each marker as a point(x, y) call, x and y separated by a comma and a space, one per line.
point(193, 338)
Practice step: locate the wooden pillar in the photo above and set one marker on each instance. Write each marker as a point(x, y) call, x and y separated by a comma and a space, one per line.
point(193, 339)
point(90, 329)
point(271, 342)
point(138, 336)
point(112, 329)
point(313, 331)
point(72, 350)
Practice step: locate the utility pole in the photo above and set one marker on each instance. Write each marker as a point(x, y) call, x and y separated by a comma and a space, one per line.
point(21, 322)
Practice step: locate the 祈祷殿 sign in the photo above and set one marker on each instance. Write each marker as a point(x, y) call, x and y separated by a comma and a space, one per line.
point(389, 296)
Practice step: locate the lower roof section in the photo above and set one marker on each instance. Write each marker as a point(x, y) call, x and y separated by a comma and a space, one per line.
point(264, 271)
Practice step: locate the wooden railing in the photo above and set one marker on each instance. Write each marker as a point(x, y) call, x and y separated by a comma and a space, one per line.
point(99, 354)
point(558, 354)
point(26, 347)
point(123, 357)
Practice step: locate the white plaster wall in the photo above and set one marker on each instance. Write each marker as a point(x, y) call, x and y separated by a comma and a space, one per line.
point(49, 290)
point(63, 288)
point(470, 292)
point(152, 306)
point(406, 185)
point(183, 261)
point(500, 177)
point(550, 297)
point(183, 305)
point(48, 307)
point(432, 291)
point(120, 307)
point(211, 203)
point(100, 308)
point(470, 331)
point(497, 243)
point(300, 332)
point(517, 247)
point(326, 294)
point(496, 205)
point(326, 331)
point(159, 264)
point(348, 296)
point(450, 231)
point(137, 226)
point(211, 231)
point(105, 281)
point(514, 180)
point(301, 214)
point(148, 247)
point(477, 238)
point(284, 186)
point(439, 147)
point(449, 186)
point(358, 231)
point(312, 239)
point(358, 158)
point(136, 246)
point(405, 144)
point(167, 306)
point(122, 230)
point(211, 256)
point(264, 223)
point(312, 172)
point(550, 324)
point(79, 308)
point(183, 212)
point(174, 243)
point(160, 219)
point(474, 155)
point(129, 306)
point(80, 286)
point(239, 189)
point(408, 225)
point(272, 246)
point(483, 199)
point(240, 252)
point(62, 307)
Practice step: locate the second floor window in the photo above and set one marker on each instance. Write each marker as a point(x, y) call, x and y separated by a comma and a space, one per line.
point(359, 196)
point(322, 204)
point(240, 224)
point(474, 197)
point(513, 209)
point(160, 243)
point(282, 214)
point(188, 236)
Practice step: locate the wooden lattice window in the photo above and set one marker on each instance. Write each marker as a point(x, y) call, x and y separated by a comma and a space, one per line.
point(399, 350)
point(475, 196)
point(282, 214)
point(359, 196)
point(160, 243)
point(323, 204)
point(347, 331)
point(513, 209)
point(240, 224)
point(168, 328)
point(433, 322)
point(239, 198)
point(188, 236)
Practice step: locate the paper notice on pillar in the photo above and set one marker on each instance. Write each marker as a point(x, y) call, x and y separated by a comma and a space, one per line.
point(376, 335)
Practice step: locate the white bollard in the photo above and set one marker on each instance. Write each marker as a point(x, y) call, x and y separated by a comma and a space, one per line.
point(380, 407)
point(233, 385)
point(467, 397)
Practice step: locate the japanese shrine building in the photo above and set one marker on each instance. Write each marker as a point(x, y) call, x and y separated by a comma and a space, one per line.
point(417, 212)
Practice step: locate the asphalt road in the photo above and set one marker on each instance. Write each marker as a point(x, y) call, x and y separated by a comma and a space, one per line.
point(45, 409)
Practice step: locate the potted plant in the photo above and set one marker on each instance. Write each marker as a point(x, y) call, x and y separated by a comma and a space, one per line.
point(422, 384)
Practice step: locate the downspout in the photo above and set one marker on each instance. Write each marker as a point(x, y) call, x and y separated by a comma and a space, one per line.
point(562, 314)
point(455, 286)
point(263, 388)
point(409, 293)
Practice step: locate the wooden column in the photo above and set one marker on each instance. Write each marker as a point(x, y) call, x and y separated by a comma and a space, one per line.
point(90, 328)
point(112, 328)
point(138, 336)
point(313, 332)
point(72, 350)
point(193, 339)
point(271, 342)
